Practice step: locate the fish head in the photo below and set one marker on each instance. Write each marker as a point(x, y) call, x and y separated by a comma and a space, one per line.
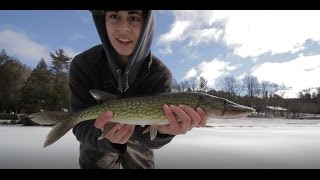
point(233, 110)
point(221, 108)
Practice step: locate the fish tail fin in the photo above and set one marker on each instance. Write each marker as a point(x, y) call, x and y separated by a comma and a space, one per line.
point(60, 120)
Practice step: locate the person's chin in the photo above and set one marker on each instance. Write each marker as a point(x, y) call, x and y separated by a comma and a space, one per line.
point(125, 53)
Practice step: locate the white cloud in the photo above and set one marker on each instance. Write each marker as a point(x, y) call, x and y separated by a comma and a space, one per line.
point(192, 26)
point(214, 69)
point(19, 45)
point(194, 55)
point(29, 52)
point(257, 32)
point(251, 33)
point(77, 36)
point(191, 73)
point(210, 70)
point(165, 51)
point(300, 73)
point(205, 36)
point(197, 17)
point(176, 33)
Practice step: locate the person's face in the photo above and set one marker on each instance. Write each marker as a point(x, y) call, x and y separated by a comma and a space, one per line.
point(123, 29)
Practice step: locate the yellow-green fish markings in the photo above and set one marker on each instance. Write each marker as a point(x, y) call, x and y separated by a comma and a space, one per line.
point(139, 110)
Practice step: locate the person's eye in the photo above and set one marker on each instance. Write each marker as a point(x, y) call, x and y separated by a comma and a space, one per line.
point(114, 16)
point(134, 18)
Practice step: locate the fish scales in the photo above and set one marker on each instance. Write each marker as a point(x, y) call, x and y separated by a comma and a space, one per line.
point(134, 110)
point(143, 110)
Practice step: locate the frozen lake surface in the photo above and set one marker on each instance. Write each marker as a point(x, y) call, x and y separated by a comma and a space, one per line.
point(246, 144)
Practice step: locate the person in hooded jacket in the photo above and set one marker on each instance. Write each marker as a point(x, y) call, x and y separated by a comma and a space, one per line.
point(123, 65)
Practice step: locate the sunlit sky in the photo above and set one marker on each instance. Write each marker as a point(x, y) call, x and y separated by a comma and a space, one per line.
point(277, 46)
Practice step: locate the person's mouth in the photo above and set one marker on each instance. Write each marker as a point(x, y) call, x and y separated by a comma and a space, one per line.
point(124, 40)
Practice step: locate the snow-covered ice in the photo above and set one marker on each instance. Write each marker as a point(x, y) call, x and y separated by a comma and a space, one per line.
point(250, 143)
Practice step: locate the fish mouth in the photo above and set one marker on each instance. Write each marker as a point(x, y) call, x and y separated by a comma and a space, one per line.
point(234, 111)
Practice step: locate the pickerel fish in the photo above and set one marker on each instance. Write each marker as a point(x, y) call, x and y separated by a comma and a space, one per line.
point(138, 110)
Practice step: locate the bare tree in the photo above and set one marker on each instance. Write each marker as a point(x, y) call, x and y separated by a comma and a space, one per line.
point(283, 89)
point(184, 85)
point(230, 85)
point(265, 88)
point(283, 101)
point(252, 86)
point(305, 94)
point(192, 84)
point(273, 89)
point(203, 84)
point(175, 86)
point(318, 95)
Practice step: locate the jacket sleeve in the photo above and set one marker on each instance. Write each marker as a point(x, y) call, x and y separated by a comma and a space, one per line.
point(162, 85)
point(80, 98)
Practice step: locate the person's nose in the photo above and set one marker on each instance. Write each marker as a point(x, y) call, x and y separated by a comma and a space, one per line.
point(124, 26)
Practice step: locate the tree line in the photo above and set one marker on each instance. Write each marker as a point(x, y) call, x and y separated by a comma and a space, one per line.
point(26, 90)
point(259, 95)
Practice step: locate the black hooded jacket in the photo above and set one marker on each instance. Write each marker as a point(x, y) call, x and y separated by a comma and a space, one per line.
point(96, 68)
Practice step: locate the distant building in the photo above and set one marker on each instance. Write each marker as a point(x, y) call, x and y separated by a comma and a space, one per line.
point(276, 111)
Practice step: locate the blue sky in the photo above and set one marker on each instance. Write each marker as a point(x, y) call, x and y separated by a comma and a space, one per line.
point(277, 46)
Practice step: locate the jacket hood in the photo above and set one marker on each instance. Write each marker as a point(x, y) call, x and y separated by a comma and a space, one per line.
point(139, 55)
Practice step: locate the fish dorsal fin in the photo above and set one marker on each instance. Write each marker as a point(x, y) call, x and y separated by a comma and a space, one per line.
point(102, 96)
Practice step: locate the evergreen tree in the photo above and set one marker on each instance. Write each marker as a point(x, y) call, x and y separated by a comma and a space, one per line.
point(12, 77)
point(60, 62)
point(36, 91)
point(59, 72)
point(3, 57)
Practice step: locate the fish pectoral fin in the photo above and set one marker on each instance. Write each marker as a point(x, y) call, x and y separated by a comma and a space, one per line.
point(153, 131)
point(153, 128)
point(104, 132)
point(105, 129)
point(146, 130)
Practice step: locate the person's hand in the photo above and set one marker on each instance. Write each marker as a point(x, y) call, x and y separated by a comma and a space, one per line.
point(182, 119)
point(114, 132)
